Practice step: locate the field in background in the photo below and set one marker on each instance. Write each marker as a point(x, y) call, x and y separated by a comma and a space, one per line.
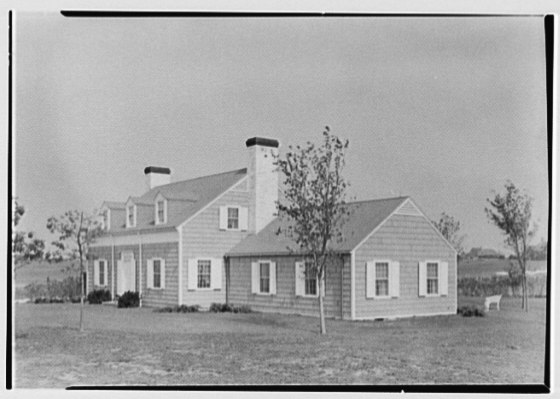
point(489, 267)
point(138, 346)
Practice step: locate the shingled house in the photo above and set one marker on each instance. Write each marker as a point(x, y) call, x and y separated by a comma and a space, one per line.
point(214, 239)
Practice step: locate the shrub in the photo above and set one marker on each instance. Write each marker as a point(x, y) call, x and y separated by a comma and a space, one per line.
point(178, 309)
point(129, 300)
point(470, 311)
point(224, 307)
point(54, 291)
point(98, 296)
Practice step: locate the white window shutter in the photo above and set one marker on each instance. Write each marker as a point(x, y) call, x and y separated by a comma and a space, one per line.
point(216, 274)
point(243, 218)
point(422, 279)
point(300, 278)
point(106, 274)
point(192, 274)
point(255, 278)
point(162, 268)
point(394, 279)
point(442, 278)
point(370, 279)
point(223, 218)
point(150, 274)
point(273, 278)
point(96, 272)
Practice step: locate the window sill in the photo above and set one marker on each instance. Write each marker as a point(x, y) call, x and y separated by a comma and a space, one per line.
point(308, 296)
point(263, 293)
point(382, 297)
point(156, 289)
point(203, 289)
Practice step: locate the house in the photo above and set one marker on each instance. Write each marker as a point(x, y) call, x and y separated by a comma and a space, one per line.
point(214, 239)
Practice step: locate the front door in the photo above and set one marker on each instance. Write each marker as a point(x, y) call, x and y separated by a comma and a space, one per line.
point(126, 277)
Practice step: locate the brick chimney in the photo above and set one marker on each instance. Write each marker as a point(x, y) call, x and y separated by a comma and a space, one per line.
point(263, 181)
point(157, 176)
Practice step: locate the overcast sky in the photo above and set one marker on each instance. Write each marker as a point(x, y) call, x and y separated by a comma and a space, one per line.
point(442, 109)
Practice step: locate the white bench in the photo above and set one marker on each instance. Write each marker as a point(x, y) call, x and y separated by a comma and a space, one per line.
point(489, 300)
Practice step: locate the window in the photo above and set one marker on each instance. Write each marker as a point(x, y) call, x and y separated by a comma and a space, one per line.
point(101, 272)
point(233, 218)
point(204, 267)
point(264, 277)
point(310, 280)
point(382, 279)
point(160, 212)
point(157, 273)
point(106, 222)
point(130, 217)
point(432, 273)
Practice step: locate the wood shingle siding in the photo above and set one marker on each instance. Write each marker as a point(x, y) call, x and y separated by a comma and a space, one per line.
point(203, 239)
point(285, 299)
point(407, 240)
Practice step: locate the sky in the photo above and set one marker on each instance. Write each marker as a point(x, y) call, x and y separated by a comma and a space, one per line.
point(444, 110)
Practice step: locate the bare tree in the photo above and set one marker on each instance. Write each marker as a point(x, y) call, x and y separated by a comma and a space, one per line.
point(511, 212)
point(314, 204)
point(449, 227)
point(75, 233)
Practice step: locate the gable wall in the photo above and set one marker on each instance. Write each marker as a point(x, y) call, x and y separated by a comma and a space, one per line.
point(409, 240)
point(202, 238)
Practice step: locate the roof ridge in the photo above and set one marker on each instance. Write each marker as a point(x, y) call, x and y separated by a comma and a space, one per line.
point(200, 177)
point(379, 199)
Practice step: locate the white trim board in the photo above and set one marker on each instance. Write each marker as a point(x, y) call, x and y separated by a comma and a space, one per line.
point(152, 238)
point(393, 317)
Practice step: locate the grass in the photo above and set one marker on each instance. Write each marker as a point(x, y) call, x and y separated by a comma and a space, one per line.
point(139, 346)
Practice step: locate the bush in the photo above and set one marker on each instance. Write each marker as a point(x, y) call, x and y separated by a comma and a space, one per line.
point(96, 297)
point(224, 307)
point(470, 311)
point(178, 309)
point(502, 285)
point(54, 291)
point(129, 300)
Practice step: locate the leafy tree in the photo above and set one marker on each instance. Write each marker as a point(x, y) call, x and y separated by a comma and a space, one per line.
point(76, 232)
point(449, 227)
point(314, 204)
point(511, 212)
point(25, 246)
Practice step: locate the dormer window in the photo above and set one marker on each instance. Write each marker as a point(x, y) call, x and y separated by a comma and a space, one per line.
point(131, 216)
point(161, 214)
point(106, 219)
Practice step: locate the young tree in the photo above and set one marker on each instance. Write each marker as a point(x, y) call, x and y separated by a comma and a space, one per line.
point(449, 227)
point(511, 212)
point(314, 204)
point(25, 246)
point(76, 232)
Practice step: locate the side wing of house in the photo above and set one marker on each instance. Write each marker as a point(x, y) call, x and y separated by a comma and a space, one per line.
point(205, 238)
point(404, 268)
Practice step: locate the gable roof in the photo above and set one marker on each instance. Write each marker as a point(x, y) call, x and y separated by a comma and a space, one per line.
point(188, 196)
point(365, 216)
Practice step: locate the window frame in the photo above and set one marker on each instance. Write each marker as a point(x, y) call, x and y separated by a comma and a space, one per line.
point(198, 275)
point(133, 214)
point(387, 279)
point(163, 201)
point(238, 209)
point(437, 263)
point(305, 279)
point(97, 264)
point(261, 263)
point(159, 260)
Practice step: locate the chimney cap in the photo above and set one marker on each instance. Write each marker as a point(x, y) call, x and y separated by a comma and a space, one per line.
point(157, 169)
point(262, 141)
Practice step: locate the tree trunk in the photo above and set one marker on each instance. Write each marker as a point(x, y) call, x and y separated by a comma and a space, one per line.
point(322, 311)
point(81, 296)
point(525, 293)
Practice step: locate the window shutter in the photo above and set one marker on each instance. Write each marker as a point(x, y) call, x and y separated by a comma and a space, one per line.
point(255, 277)
point(96, 272)
point(394, 279)
point(192, 274)
point(216, 274)
point(300, 278)
point(162, 268)
point(243, 218)
point(105, 274)
point(150, 273)
point(370, 279)
point(422, 278)
point(273, 278)
point(442, 278)
point(223, 218)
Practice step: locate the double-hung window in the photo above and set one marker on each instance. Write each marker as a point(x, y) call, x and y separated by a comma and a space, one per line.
point(157, 273)
point(310, 280)
point(160, 205)
point(233, 218)
point(264, 280)
point(102, 272)
point(381, 279)
point(204, 270)
point(432, 278)
point(130, 217)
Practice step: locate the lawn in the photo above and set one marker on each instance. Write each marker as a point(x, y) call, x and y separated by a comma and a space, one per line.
point(138, 346)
